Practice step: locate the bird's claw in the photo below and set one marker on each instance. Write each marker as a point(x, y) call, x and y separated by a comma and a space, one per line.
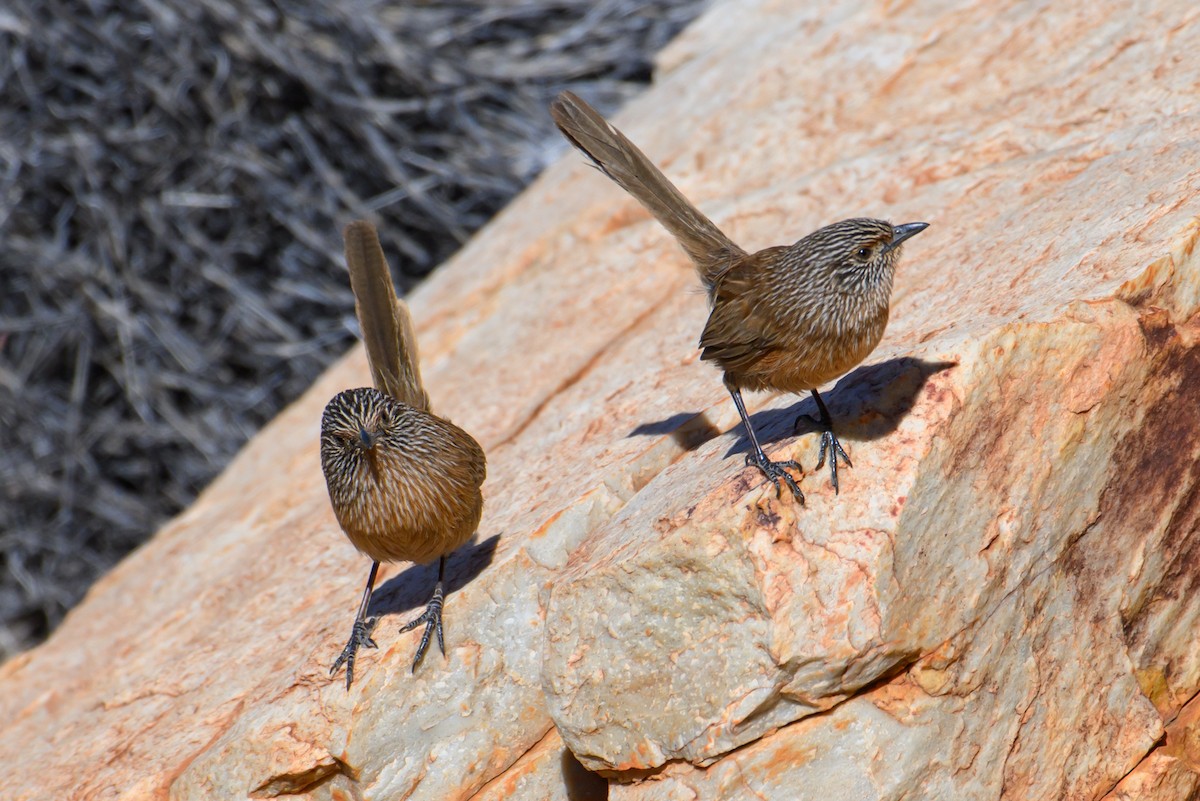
point(776, 473)
point(432, 618)
point(360, 637)
point(829, 442)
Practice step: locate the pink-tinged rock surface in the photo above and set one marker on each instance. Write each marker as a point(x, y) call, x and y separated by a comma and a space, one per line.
point(1003, 602)
point(1171, 771)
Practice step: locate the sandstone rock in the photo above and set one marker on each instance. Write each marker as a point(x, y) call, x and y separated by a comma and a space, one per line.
point(1002, 602)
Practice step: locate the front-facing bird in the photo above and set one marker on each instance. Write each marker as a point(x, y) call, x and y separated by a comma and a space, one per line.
point(404, 483)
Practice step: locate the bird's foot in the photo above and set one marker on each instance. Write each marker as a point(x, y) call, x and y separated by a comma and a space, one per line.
point(432, 618)
point(360, 637)
point(829, 442)
point(776, 472)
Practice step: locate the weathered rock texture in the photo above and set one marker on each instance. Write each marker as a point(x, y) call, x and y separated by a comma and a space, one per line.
point(1004, 601)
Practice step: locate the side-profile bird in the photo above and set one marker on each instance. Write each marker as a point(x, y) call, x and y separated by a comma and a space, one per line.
point(404, 483)
point(788, 318)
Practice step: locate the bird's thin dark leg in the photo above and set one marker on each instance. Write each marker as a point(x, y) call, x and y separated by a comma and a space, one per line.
point(360, 635)
point(829, 442)
point(431, 617)
point(773, 470)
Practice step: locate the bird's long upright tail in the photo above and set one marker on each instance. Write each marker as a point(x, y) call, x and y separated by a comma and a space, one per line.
point(386, 325)
point(622, 161)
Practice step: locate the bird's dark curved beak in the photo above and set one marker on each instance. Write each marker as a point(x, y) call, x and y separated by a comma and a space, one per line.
point(902, 232)
point(367, 438)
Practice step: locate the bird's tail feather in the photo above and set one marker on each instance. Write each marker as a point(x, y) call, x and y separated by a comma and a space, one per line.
point(387, 329)
point(624, 163)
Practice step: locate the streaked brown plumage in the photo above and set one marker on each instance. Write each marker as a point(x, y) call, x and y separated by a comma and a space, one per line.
point(412, 494)
point(403, 482)
point(785, 318)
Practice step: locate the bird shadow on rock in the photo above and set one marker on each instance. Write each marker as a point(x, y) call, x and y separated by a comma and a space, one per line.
point(866, 404)
point(413, 587)
point(689, 429)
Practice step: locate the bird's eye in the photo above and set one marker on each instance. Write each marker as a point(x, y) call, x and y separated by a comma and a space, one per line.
point(864, 253)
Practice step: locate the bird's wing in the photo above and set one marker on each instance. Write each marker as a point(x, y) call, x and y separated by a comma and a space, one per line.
point(739, 332)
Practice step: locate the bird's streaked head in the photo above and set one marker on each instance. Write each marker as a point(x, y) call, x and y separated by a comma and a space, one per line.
point(857, 252)
point(353, 424)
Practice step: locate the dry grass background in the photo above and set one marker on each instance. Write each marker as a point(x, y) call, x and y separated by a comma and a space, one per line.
point(173, 178)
